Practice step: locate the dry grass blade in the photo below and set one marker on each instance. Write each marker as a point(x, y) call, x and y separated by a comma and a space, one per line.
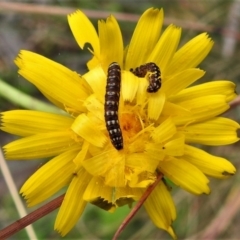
point(15, 195)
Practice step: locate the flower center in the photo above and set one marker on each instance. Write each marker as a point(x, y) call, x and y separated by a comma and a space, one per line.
point(130, 125)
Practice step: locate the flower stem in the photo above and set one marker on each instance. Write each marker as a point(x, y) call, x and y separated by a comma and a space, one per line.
point(17, 97)
point(31, 217)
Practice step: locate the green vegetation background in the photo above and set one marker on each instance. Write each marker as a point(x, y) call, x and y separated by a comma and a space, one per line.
point(49, 35)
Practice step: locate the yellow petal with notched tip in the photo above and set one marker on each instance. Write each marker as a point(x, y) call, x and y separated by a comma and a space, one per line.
point(145, 37)
point(73, 204)
point(181, 80)
point(165, 48)
point(110, 38)
point(203, 108)
point(49, 179)
point(54, 79)
point(160, 208)
point(41, 145)
point(84, 31)
point(206, 89)
point(25, 122)
point(211, 165)
point(190, 55)
point(215, 132)
point(185, 175)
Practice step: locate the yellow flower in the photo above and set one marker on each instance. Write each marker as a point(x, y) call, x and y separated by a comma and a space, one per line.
point(157, 128)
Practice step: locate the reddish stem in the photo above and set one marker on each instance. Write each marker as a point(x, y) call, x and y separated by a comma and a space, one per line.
point(137, 206)
point(31, 217)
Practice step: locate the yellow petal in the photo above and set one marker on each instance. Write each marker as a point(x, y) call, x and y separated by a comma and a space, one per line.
point(84, 127)
point(40, 145)
point(73, 203)
point(93, 63)
point(50, 178)
point(142, 180)
point(53, 79)
point(115, 176)
point(220, 87)
point(99, 164)
point(190, 55)
point(161, 209)
point(83, 31)
point(145, 37)
point(99, 194)
point(181, 80)
point(215, 132)
point(95, 107)
point(126, 192)
point(129, 86)
point(81, 155)
point(107, 197)
point(156, 104)
point(165, 48)
point(203, 108)
point(155, 151)
point(27, 122)
point(142, 94)
point(185, 175)
point(141, 162)
point(97, 79)
point(175, 147)
point(164, 131)
point(211, 165)
point(111, 42)
point(176, 112)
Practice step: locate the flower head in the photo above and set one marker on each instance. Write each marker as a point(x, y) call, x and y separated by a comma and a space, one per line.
point(157, 127)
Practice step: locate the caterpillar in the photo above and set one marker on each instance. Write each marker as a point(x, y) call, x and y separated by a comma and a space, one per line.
point(154, 77)
point(111, 105)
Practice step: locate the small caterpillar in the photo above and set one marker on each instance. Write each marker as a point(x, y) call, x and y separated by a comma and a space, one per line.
point(154, 77)
point(111, 105)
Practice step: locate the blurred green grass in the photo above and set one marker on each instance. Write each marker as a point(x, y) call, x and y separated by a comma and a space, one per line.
point(49, 35)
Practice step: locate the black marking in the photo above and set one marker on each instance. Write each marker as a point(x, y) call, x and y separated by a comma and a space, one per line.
point(111, 105)
point(154, 77)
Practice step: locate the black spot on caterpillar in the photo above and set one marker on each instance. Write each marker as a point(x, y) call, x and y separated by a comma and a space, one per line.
point(154, 77)
point(111, 105)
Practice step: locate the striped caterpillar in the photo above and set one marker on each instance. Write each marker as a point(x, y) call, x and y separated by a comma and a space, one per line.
point(111, 105)
point(154, 77)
